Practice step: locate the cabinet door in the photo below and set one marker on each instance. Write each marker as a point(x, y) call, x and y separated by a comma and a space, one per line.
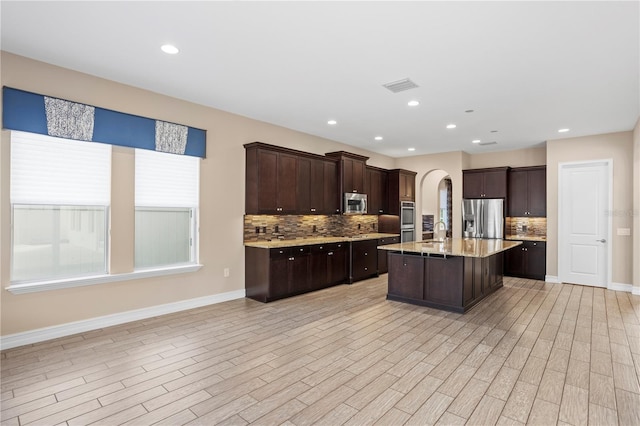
point(535, 260)
point(406, 276)
point(337, 264)
point(331, 191)
point(514, 261)
point(444, 280)
point(537, 191)
point(407, 187)
point(319, 266)
point(518, 193)
point(364, 259)
point(472, 184)
point(286, 186)
point(303, 185)
point(358, 176)
point(373, 191)
point(279, 273)
point(348, 184)
point(495, 184)
point(267, 181)
point(299, 273)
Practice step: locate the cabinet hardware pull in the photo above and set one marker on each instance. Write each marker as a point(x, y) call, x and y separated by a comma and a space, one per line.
point(602, 241)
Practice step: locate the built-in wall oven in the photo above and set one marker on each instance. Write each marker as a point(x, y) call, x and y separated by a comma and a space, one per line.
point(407, 221)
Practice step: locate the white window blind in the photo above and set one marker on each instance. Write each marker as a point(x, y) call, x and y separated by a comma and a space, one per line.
point(47, 170)
point(166, 180)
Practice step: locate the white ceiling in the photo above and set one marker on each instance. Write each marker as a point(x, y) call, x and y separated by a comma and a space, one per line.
point(527, 69)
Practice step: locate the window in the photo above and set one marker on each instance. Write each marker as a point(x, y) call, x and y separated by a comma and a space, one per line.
point(166, 202)
point(60, 194)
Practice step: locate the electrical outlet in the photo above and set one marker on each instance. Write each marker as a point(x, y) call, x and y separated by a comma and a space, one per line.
point(257, 229)
point(225, 272)
point(315, 228)
point(359, 226)
point(276, 229)
point(264, 229)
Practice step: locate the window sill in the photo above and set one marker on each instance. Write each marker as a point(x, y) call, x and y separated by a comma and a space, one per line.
point(33, 287)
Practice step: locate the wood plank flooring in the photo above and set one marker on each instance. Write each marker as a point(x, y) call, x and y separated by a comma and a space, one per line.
point(531, 353)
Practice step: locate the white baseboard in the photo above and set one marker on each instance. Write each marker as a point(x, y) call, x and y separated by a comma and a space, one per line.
point(636, 291)
point(620, 287)
point(551, 279)
point(62, 330)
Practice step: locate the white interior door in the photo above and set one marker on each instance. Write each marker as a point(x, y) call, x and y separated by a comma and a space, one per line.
point(584, 225)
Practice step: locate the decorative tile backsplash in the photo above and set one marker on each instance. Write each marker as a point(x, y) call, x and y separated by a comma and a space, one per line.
point(526, 226)
point(290, 227)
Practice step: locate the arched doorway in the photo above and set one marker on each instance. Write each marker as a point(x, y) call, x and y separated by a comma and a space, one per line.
point(437, 195)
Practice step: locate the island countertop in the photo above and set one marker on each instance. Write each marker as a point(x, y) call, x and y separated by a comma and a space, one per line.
point(465, 247)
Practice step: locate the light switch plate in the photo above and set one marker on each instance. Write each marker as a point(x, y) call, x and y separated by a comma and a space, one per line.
point(624, 231)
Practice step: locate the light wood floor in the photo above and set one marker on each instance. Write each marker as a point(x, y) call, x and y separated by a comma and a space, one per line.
point(531, 353)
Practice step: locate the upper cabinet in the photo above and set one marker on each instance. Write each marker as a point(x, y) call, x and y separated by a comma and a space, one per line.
point(485, 183)
point(527, 192)
point(376, 190)
point(402, 187)
point(284, 181)
point(351, 169)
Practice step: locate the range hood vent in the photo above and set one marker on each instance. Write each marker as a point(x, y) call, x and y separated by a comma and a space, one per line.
point(400, 85)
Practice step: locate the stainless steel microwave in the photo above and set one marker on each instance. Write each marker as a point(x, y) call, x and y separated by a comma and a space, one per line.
point(355, 203)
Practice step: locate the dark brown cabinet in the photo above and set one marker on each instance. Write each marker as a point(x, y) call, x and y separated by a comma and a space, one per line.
point(328, 265)
point(402, 187)
point(383, 264)
point(351, 171)
point(377, 191)
point(452, 282)
point(485, 183)
point(285, 181)
point(527, 192)
point(364, 259)
point(272, 274)
point(527, 261)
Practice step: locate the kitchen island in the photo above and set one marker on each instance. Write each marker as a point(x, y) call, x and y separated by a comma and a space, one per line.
point(453, 275)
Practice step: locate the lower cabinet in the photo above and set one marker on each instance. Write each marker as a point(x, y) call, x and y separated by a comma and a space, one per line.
point(527, 261)
point(383, 265)
point(452, 283)
point(364, 260)
point(272, 274)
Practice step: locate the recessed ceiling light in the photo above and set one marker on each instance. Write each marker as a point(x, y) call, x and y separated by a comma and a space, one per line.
point(332, 122)
point(413, 103)
point(469, 110)
point(411, 149)
point(494, 131)
point(476, 141)
point(169, 48)
point(451, 126)
point(563, 130)
point(378, 138)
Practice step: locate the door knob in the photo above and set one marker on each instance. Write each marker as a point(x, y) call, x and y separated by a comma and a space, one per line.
point(602, 241)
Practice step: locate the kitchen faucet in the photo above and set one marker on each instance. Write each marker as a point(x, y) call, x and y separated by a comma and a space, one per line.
point(436, 228)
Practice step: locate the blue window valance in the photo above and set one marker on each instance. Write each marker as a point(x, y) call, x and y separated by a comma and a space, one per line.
point(31, 112)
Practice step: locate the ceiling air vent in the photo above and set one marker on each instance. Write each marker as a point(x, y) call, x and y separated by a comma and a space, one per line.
point(488, 143)
point(400, 85)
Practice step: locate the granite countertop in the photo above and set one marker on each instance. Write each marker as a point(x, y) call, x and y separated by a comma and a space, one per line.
point(525, 238)
point(466, 247)
point(318, 240)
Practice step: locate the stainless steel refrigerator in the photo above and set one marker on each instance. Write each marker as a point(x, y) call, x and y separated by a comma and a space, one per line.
point(483, 218)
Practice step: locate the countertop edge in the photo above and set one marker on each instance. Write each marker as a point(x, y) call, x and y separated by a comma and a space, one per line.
point(402, 248)
point(314, 241)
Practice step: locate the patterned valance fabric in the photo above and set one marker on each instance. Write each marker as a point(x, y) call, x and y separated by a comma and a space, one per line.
point(31, 112)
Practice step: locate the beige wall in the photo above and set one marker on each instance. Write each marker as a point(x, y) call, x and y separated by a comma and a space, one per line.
point(430, 193)
point(616, 146)
point(221, 199)
point(636, 208)
point(515, 158)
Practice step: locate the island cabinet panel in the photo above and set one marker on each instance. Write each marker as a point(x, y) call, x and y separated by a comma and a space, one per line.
point(383, 266)
point(405, 272)
point(364, 260)
point(452, 283)
point(527, 192)
point(485, 183)
point(443, 284)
